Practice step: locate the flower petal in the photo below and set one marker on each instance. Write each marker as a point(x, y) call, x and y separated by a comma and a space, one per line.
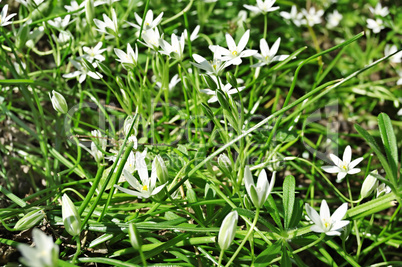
point(324, 210)
point(331, 169)
point(340, 212)
point(355, 162)
point(313, 215)
point(347, 155)
point(243, 41)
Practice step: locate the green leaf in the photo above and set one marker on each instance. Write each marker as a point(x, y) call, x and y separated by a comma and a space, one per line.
point(389, 141)
point(288, 198)
point(297, 213)
point(374, 146)
point(268, 255)
point(273, 211)
point(285, 261)
point(250, 214)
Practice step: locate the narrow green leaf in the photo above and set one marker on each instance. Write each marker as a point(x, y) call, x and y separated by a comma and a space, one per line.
point(273, 211)
point(268, 255)
point(389, 141)
point(374, 146)
point(285, 261)
point(288, 198)
point(251, 214)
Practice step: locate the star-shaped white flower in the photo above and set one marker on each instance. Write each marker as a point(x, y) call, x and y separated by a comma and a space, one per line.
point(149, 22)
point(214, 67)
point(234, 53)
point(293, 15)
point(107, 23)
point(60, 23)
point(4, 19)
point(172, 84)
point(379, 10)
point(94, 53)
point(375, 25)
point(333, 19)
point(147, 187)
point(74, 7)
point(345, 166)
point(128, 60)
point(268, 55)
point(312, 17)
point(176, 48)
point(225, 88)
point(260, 192)
point(151, 38)
point(82, 72)
point(325, 223)
point(263, 6)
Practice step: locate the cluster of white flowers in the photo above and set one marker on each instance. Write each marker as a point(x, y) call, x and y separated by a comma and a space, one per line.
point(379, 13)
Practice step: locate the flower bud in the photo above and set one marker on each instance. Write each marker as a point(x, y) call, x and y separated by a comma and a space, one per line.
point(29, 220)
point(71, 219)
point(161, 170)
point(369, 184)
point(58, 102)
point(89, 11)
point(134, 235)
point(224, 162)
point(383, 189)
point(127, 124)
point(228, 230)
point(210, 82)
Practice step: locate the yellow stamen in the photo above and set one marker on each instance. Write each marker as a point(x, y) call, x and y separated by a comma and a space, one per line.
point(145, 188)
point(234, 53)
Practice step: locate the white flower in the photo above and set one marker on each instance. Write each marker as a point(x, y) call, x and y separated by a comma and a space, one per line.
point(333, 19)
point(214, 67)
point(44, 254)
point(312, 17)
point(263, 6)
point(177, 46)
point(151, 38)
point(74, 7)
point(64, 37)
point(147, 187)
point(107, 23)
point(295, 16)
point(268, 55)
point(325, 223)
point(227, 231)
point(82, 72)
point(376, 25)
point(383, 189)
point(149, 22)
point(225, 88)
point(172, 84)
point(128, 60)
point(4, 19)
point(60, 23)
point(379, 10)
point(234, 53)
point(343, 167)
point(258, 194)
point(94, 53)
point(390, 49)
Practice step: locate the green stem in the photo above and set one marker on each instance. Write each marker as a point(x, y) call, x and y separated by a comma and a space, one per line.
point(245, 238)
point(220, 258)
point(78, 249)
point(143, 259)
point(265, 25)
point(91, 192)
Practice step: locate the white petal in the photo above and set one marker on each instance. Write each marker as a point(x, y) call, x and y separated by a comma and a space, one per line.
point(333, 233)
point(316, 228)
point(347, 155)
point(131, 180)
point(331, 169)
point(248, 53)
point(230, 42)
point(354, 171)
point(335, 159)
point(243, 41)
point(264, 48)
point(355, 162)
point(340, 176)
point(340, 212)
point(275, 47)
point(313, 215)
point(339, 225)
point(158, 189)
point(324, 210)
point(128, 191)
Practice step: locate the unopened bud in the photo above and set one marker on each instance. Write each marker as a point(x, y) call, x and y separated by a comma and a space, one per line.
point(58, 102)
point(134, 235)
point(228, 230)
point(161, 170)
point(71, 219)
point(224, 162)
point(369, 184)
point(89, 11)
point(29, 220)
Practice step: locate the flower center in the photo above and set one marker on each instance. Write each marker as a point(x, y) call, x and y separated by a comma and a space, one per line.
point(145, 188)
point(234, 53)
point(344, 167)
point(327, 223)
